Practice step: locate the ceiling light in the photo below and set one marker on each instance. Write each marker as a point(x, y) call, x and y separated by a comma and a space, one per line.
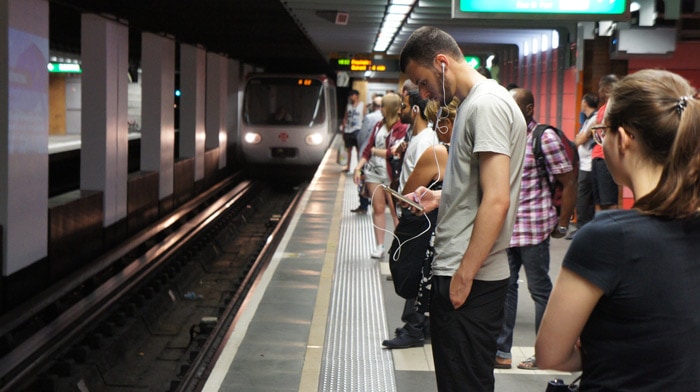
point(399, 9)
point(394, 18)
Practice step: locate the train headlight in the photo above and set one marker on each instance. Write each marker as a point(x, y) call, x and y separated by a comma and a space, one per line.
point(314, 139)
point(252, 138)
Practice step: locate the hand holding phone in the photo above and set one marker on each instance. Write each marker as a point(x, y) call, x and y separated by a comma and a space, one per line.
point(402, 198)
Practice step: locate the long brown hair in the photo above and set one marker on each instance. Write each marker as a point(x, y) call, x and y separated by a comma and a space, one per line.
point(662, 111)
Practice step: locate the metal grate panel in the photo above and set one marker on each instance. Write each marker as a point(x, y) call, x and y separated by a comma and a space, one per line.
point(353, 358)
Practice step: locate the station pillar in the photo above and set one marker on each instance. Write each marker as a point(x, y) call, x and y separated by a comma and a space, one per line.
point(217, 83)
point(104, 130)
point(193, 89)
point(24, 132)
point(157, 112)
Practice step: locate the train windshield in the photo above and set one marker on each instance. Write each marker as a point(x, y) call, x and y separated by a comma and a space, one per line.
point(280, 100)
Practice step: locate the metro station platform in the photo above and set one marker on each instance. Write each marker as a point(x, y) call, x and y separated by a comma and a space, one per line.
point(322, 308)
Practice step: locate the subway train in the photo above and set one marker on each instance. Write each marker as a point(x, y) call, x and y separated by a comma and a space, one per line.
point(287, 120)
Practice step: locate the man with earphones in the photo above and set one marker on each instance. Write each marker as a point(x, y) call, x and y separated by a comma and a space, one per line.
point(410, 226)
point(477, 209)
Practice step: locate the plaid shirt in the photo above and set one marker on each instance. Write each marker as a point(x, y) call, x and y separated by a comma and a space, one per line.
point(537, 217)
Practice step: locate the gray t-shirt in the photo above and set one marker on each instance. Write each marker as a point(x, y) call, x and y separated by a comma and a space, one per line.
point(488, 120)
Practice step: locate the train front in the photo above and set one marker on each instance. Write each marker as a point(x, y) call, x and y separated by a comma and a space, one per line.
point(287, 120)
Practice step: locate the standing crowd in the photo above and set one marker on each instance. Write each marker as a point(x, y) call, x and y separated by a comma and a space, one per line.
point(495, 186)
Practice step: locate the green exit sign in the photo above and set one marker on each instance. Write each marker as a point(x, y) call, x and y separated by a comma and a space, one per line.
point(474, 61)
point(64, 68)
point(548, 9)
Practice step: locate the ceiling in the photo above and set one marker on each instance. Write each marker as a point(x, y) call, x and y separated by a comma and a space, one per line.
point(296, 35)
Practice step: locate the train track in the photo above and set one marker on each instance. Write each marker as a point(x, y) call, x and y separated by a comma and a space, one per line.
point(151, 314)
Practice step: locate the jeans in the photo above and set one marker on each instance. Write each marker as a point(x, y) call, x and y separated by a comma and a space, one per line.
point(535, 259)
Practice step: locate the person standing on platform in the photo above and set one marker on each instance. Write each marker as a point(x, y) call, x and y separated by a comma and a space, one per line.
point(374, 164)
point(408, 232)
point(605, 190)
point(537, 220)
point(352, 123)
point(477, 209)
point(368, 123)
point(624, 308)
point(585, 207)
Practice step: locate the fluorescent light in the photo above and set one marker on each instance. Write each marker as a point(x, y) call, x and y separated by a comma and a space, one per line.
point(545, 42)
point(391, 24)
point(395, 18)
point(399, 9)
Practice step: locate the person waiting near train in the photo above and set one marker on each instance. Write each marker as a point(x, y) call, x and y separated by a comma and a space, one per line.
point(352, 123)
point(585, 206)
point(624, 308)
point(368, 123)
point(410, 233)
point(374, 164)
point(535, 223)
point(605, 191)
point(478, 205)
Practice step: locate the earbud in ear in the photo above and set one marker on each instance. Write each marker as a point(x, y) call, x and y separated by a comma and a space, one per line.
point(415, 109)
point(443, 67)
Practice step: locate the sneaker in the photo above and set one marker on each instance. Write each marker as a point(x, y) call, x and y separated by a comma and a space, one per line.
point(378, 252)
point(404, 341)
point(359, 210)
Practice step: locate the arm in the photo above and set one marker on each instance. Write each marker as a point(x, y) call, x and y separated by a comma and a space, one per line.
point(570, 305)
point(357, 175)
point(345, 120)
point(426, 170)
point(494, 174)
point(568, 199)
point(583, 137)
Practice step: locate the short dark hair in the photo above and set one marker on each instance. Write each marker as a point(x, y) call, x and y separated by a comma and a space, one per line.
point(414, 99)
point(425, 43)
point(591, 100)
point(354, 92)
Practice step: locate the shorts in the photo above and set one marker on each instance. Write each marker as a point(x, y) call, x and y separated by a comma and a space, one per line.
point(350, 139)
point(604, 188)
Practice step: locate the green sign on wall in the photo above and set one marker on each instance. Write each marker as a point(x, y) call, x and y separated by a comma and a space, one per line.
point(554, 9)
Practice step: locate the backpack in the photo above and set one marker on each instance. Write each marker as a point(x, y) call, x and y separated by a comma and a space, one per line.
point(571, 152)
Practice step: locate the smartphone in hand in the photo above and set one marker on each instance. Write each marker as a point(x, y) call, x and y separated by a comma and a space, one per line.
point(403, 198)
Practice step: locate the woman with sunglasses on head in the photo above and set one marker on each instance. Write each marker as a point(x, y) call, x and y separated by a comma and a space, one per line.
point(624, 309)
point(374, 164)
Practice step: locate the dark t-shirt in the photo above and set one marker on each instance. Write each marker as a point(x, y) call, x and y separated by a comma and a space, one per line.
point(644, 333)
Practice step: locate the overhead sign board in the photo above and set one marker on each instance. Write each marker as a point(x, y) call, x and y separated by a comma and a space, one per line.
point(548, 9)
point(361, 65)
